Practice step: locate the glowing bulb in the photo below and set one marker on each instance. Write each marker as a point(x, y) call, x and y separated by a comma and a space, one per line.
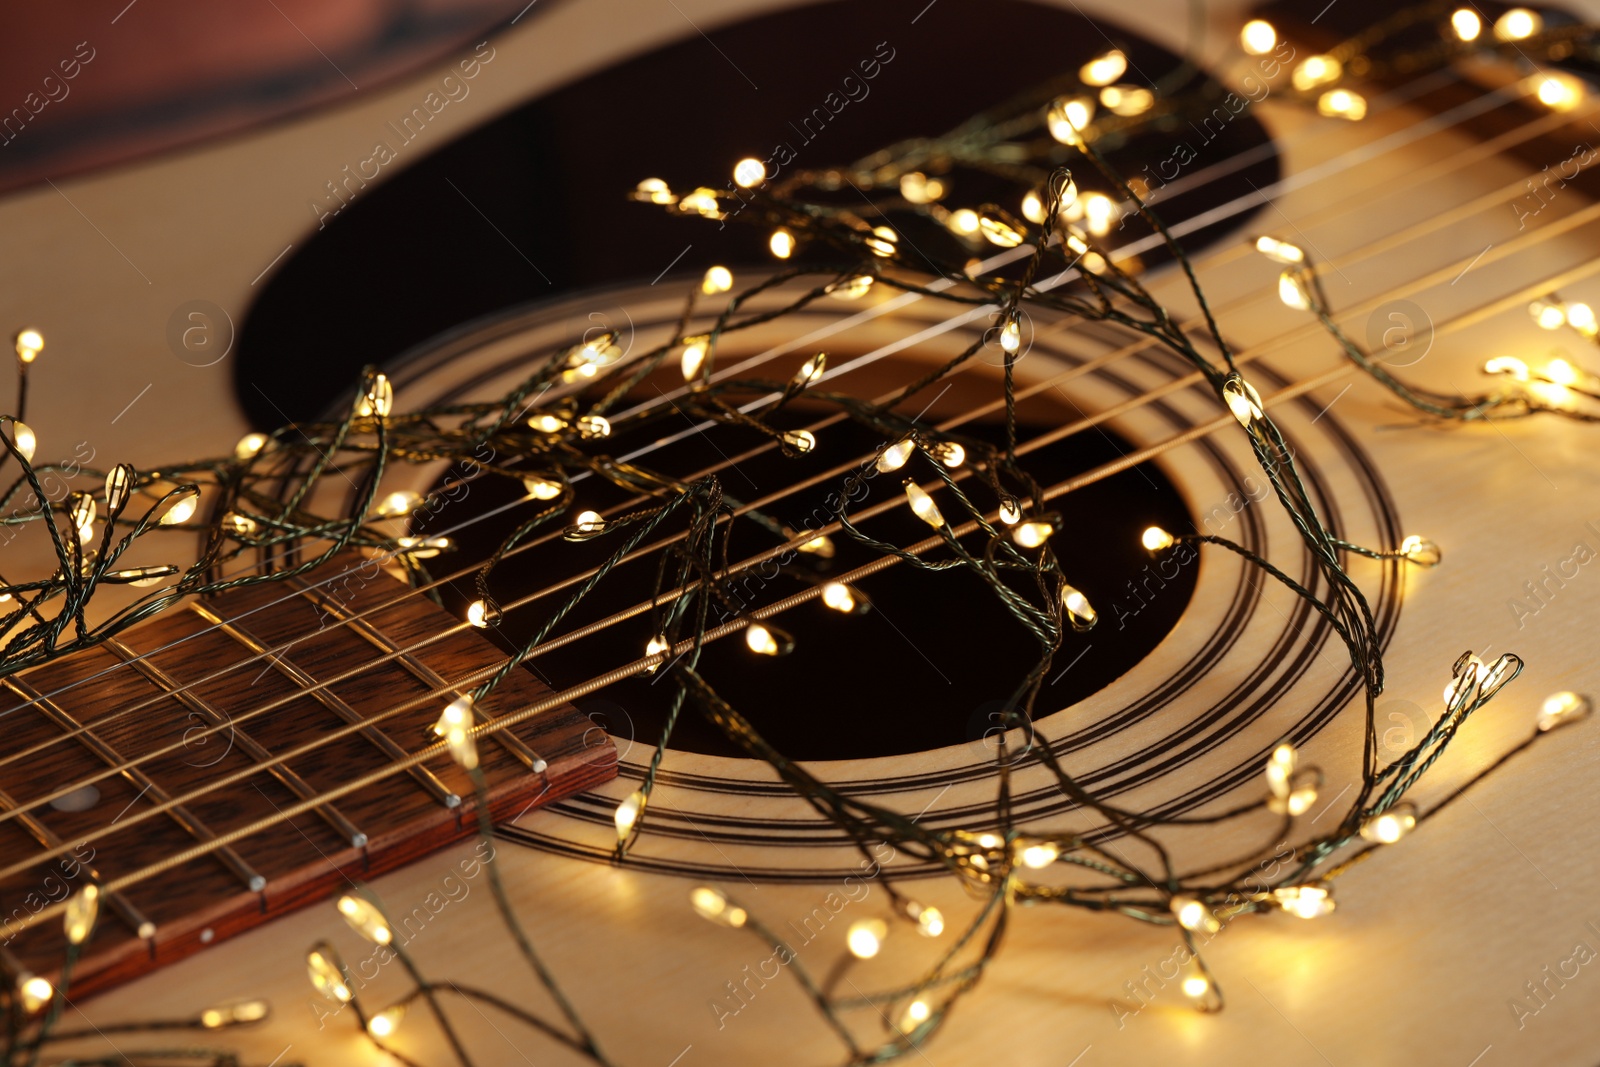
point(35, 993)
point(181, 507)
point(1581, 318)
point(547, 423)
point(922, 505)
point(1099, 213)
point(1466, 680)
point(593, 426)
point(653, 190)
point(1560, 92)
point(1561, 708)
point(24, 438)
point(1511, 365)
point(628, 812)
point(714, 906)
point(839, 597)
point(1155, 539)
point(81, 511)
point(820, 546)
point(950, 453)
point(1281, 251)
point(1010, 511)
point(1067, 117)
point(1466, 24)
point(1421, 551)
point(1296, 794)
point(694, 357)
point(455, 726)
point(918, 188)
point(1011, 335)
point(916, 1013)
point(702, 202)
point(238, 525)
point(83, 907)
point(1548, 313)
point(244, 1011)
point(865, 937)
point(1039, 855)
point(1080, 613)
point(964, 222)
point(479, 614)
point(119, 487)
point(882, 242)
point(1067, 194)
point(1127, 100)
point(250, 446)
point(1342, 104)
point(810, 371)
point(655, 646)
point(1517, 24)
point(541, 488)
point(1280, 765)
point(998, 232)
point(764, 640)
point(1243, 400)
point(853, 289)
point(1292, 290)
point(423, 547)
point(781, 243)
point(894, 457)
point(1305, 901)
point(401, 502)
point(1033, 206)
point(588, 523)
point(1033, 533)
point(717, 280)
point(1391, 825)
point(1257, 37)
point(930, 920)
point(801, 441)
point(1197, 987)
point(30, 343)
point(364, 918)
point(1192, 914)
point(749, 173)
point(1316, 70)
point(1104, 69)
point(379, 399)
point(386, 1022)
point(327, 975)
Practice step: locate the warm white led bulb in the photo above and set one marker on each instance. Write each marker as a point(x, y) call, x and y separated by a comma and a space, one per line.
point(1258, 37)
point(749, 172)
point(865, 937)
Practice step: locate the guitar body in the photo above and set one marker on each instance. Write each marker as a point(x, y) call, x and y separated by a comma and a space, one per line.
point(1436, 943)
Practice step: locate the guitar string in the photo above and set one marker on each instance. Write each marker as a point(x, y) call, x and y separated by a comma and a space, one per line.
point(1444, 218)
point(557, 699)
point(512, 718)
point(1388, 101)
point(1463, 157)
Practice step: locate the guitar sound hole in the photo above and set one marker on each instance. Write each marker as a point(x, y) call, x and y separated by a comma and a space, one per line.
point(926, 667)
point(532, 206)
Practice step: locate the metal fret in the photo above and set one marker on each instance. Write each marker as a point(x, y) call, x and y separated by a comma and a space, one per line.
point(419, 670)
point(385, 744)
point(119, 903)
point(179, 813)
point(247, 744)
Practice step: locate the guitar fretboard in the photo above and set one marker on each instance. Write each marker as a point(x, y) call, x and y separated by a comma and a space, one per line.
point(174, 736)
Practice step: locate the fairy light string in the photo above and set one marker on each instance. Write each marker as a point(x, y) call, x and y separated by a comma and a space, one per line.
point(986, 512)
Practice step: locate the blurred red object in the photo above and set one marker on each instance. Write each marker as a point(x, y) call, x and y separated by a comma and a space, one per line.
point(107, 81)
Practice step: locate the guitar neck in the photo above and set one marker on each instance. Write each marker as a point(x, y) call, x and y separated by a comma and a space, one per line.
point(205, 759)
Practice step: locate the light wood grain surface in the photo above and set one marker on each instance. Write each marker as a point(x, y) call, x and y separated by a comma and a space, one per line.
point(1431, 943)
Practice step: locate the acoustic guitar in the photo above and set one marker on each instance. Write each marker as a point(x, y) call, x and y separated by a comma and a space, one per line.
point(190, 300)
